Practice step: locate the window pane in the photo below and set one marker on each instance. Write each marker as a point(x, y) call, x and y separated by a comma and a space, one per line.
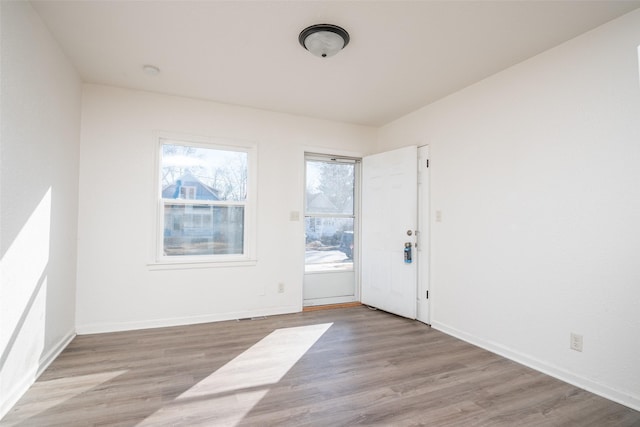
point(329, 244)
point(203, 230)
point(329, 188)
point(196, 173)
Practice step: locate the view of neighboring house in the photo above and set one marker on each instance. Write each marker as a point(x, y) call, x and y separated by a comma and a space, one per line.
point(189, 187)
point(320, 228)
point(190, 220)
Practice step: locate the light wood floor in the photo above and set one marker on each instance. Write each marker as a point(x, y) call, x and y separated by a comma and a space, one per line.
point(340, 367)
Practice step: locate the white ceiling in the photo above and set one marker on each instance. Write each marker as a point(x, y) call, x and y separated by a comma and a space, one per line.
point(402, 55)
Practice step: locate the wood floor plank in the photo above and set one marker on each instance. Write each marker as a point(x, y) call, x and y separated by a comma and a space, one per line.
point(361, 367)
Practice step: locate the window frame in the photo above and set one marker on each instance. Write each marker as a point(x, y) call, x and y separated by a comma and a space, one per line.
point(248, 257)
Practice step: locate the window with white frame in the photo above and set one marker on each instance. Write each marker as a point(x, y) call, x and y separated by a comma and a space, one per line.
point(205, 205)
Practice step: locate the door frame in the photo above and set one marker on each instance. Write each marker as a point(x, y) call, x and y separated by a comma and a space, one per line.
point(423, 300)
point(340, 154)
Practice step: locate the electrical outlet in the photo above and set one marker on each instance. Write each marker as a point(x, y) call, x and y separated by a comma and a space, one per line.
point(438, 216)
point(280, 287)
point(575, 342)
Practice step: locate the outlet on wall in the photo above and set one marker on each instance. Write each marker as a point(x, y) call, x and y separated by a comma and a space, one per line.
point(280, 287)
point(575, 342)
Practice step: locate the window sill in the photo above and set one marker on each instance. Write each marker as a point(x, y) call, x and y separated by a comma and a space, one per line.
point(188, 265)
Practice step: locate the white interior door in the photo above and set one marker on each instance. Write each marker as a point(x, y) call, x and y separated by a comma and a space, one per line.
point(389, 221)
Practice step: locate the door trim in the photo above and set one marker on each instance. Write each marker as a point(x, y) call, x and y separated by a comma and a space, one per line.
point(423, 309)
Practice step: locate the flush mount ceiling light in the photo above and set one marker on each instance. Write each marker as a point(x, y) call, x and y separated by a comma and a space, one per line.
point(324, 40)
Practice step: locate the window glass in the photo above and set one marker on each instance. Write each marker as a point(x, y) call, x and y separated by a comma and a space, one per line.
point(329, 215)
point(203, 230)
point(329, 244)
point(203, 198)
point(203, 173)
point(329, 188)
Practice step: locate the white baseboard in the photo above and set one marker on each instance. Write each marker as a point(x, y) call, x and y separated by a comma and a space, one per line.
point(98, 328)
point(34, 372)
point(623, 398)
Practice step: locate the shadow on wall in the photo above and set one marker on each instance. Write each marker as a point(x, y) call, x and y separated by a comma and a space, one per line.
point(23, 299)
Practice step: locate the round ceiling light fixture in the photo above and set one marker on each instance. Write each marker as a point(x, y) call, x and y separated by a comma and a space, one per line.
point(324, 40)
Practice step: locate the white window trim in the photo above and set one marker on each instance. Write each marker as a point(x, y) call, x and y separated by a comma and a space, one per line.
point(158, 261)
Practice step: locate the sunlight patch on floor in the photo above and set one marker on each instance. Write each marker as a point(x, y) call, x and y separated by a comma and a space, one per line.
point(63, 389)
point(235, 388)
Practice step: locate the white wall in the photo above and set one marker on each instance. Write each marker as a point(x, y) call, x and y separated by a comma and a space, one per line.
point(40, 134)
point(116, 288)
point(536, 173)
